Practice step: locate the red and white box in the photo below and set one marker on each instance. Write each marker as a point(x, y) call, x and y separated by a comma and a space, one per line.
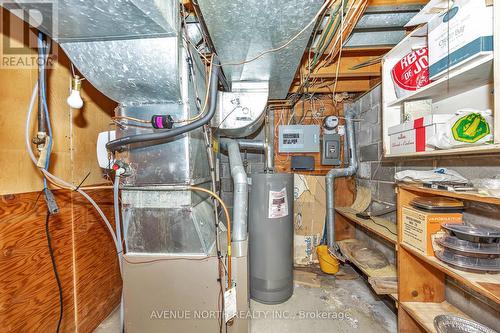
point(412, 136)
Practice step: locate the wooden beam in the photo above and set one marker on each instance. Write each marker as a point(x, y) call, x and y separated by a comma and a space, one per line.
point(354, 85)
point(345, 69)
point(396, 2)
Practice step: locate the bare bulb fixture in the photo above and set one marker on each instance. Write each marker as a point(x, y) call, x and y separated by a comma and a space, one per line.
point(75, 99)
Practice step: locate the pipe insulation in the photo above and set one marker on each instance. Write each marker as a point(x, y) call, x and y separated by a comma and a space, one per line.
point(336, 173)
point(240, 198)
point(168, 134)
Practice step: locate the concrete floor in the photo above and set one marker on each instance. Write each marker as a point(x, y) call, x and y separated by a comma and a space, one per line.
point(342, 304)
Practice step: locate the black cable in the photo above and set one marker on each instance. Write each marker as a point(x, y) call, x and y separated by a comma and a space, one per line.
point(379, 224)
point(119, 143)
point(54, 267)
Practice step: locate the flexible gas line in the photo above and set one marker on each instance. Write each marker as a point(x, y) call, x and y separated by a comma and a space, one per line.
point(228, 227)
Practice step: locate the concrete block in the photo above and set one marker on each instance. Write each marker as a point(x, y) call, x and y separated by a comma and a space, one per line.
point(376, 95)
point(369, 153)
point(365, 103)
point(368, 184)
point(376, 134)
point(363, 137)
point(372, 116)
point(472, 167)
point(364, 170)
point(383, 171)
point(423, 164)
point(386, 192)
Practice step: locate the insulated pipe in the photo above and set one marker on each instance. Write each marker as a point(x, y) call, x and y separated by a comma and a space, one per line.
point(240, 198)
point(335, 173)
point(167, 134)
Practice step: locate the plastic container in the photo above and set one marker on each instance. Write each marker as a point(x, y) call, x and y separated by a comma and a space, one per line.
point(469, 248)
point(328, 263)
point(473, 234)
point(481, 265)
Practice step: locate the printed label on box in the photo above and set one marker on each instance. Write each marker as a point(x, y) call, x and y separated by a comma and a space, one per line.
point(278, 205)
point(415, 230)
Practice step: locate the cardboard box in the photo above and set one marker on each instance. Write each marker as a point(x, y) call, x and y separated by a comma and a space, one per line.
point(309, 217)
point(416, 109)
point(463, 33)
point(411, 137)
point(418, 226)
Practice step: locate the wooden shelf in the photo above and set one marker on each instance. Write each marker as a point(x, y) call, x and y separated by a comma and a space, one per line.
point(423, 312)
point(487, 285)
point(381, 227)
point(388, 271)
point(462, 196)
point(472, 150)
point(468, 77)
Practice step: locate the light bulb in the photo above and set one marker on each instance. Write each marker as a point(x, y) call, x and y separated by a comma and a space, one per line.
point(75, 100)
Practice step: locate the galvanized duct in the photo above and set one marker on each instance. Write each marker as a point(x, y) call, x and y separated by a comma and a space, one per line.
point(129, 49)
point(93, 20)
point(256, 26)
point(134, 71)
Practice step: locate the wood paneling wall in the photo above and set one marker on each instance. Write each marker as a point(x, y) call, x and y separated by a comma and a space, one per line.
point(84, 251)
point(75, 131)
point(283, 115)
point(85, 258)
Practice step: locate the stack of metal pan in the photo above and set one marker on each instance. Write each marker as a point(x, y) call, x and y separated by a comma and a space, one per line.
point(470, 248)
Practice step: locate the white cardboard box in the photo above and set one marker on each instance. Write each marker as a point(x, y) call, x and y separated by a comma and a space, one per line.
point(463, 33)
point(412, 136)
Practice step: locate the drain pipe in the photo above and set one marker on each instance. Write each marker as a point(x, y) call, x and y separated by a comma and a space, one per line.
point(240, 199)
point(269, 143)
point(330, 182)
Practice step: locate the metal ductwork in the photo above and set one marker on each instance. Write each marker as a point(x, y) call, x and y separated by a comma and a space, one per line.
point(241, 111)
point(256, 26)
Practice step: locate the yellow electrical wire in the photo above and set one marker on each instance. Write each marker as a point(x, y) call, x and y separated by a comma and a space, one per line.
point(228, 219)
point(132, 119)
point(205, 103)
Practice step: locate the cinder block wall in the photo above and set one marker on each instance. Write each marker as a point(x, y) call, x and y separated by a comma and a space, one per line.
point(377, 173)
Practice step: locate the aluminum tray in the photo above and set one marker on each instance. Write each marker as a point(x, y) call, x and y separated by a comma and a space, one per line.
point(454, 324)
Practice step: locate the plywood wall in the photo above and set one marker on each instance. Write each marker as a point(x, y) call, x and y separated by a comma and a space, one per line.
point(85, 258)
point(84, 251)
point(75, 131)
point(283, 116)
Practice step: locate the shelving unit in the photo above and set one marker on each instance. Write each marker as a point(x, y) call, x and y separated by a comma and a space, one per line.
point(421, 290)
point(424, 313)
point(380, 227)
point(468, 86)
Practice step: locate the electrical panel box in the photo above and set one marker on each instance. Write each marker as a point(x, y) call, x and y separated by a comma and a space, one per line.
point(298, 138)
point(330, 154)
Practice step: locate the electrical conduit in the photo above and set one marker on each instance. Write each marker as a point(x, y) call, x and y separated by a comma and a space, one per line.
point(336, 173)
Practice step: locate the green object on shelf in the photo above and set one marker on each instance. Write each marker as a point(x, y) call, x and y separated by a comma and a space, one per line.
point(470, 128)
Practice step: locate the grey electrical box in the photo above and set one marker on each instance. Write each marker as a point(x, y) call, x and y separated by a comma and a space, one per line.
point(298, 138)
point(330, 154)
